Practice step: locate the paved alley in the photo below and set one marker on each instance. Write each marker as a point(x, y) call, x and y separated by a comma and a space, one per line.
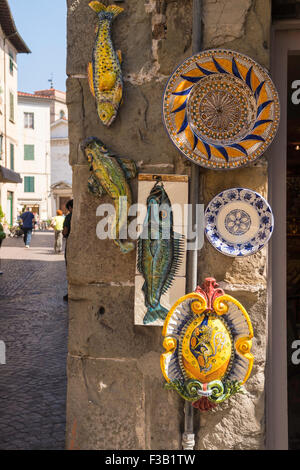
point(33, 326)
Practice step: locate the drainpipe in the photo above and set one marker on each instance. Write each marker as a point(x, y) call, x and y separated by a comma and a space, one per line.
point(188, 437)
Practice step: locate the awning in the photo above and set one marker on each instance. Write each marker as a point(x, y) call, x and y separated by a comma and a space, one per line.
point(9, 176)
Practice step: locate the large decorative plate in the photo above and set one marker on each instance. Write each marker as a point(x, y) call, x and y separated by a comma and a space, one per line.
point(221, 109)
point(208, 339)
point(238, 222)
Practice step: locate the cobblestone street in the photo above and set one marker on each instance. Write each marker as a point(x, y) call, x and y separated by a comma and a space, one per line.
point(33, 326)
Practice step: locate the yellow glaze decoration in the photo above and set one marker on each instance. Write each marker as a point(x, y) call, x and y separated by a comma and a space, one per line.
point(206, 349)
point(220, 306)
point(192, 295)
point(242, 345)
point(169, 344)
point(199, 306)
point(227, 298)
point(91, 78)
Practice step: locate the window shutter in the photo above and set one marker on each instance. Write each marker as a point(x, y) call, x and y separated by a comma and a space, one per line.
point(29, 184)
point(11, 107)
point(12, 156)
point(28, 152)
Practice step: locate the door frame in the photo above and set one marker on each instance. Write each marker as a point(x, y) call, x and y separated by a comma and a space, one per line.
point(285, 36)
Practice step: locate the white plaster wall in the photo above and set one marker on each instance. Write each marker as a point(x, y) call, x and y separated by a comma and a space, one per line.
point(60, 168)
point(40, 167)
point(8, 83)
point(61, 171)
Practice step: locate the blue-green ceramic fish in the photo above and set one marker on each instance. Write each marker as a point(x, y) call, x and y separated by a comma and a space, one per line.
point(159, 252)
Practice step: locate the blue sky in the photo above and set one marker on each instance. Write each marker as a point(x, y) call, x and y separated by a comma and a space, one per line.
point(42, 25)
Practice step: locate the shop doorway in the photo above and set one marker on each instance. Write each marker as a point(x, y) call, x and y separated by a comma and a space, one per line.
point(283, 375)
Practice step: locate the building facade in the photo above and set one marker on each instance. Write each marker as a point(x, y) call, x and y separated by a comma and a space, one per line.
point(43, 152)
point(34, 160)
point(61, 171)
point(116, 397)
point(11, 44)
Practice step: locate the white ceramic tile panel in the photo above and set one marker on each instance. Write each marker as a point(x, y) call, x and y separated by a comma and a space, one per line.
point(178, 195)
point(176, 291)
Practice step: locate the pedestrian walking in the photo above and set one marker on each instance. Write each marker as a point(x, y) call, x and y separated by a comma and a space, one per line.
point(67, 230)
point(58, 223)
point(2, 236)
point(28, 221)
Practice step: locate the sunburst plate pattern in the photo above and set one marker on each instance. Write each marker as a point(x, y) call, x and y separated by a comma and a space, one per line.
point(221, 109)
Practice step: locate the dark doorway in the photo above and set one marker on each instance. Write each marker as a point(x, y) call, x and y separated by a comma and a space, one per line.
point(293, 247)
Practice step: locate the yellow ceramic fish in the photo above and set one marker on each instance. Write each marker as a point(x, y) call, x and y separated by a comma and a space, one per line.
point(104, 72)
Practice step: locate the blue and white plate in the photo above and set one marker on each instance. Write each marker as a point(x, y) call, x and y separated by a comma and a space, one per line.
point(238, 222)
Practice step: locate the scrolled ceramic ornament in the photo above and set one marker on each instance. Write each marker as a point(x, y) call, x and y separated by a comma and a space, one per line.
point(208, 339)
point(221, 109)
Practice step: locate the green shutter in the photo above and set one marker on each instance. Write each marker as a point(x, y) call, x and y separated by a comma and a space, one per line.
point(11, 63)
point(28, 152)
point(28, 184)
point(12, 156)
point(11, 107)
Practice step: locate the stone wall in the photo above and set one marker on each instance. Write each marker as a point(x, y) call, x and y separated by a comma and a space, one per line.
point(116, 398)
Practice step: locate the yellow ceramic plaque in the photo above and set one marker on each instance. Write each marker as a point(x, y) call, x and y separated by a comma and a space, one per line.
point(208, 339)
point(206, 349)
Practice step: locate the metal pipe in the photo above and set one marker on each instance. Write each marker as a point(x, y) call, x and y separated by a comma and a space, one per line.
point(188, 437)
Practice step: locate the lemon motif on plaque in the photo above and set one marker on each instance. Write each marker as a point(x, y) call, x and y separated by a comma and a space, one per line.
point(207, 338)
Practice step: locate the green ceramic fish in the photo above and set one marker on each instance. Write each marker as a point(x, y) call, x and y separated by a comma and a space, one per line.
point(160, 252)
point(110, 174)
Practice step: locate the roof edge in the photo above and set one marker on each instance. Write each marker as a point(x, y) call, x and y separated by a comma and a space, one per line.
point(10, 30)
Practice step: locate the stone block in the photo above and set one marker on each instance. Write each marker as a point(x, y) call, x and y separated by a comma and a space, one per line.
point(176, 46)
point(105, 405)
point(242, 26)
point(102, 323)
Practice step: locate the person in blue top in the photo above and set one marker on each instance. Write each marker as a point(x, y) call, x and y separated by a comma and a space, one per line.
point(28, 221)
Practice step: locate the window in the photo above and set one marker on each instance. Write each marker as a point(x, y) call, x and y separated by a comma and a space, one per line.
point(28, 152)
point(11, 107)
point(12, 156)
point(11, 63)
point(28, 184)
point(29, 120)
